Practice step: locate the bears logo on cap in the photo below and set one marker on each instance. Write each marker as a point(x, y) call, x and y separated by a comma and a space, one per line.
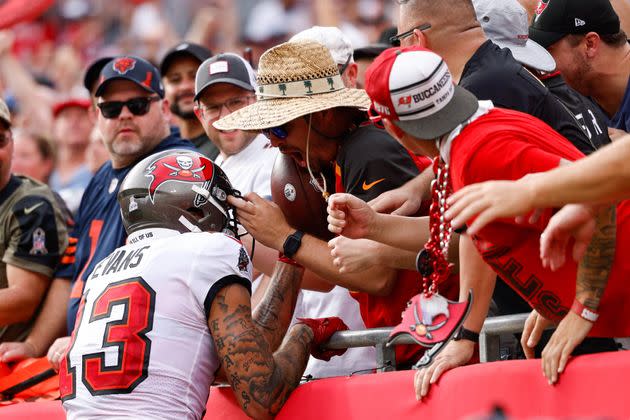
point(123, 65)
point(181, 169)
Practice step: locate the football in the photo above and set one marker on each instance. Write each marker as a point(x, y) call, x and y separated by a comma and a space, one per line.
point(299, 199)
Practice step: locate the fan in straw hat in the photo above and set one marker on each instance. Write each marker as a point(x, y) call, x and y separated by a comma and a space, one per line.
point(294, 79)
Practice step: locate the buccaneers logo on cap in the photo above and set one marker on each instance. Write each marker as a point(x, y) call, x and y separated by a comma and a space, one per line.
point(541, 8)
point(179, 168)
point(124, 64)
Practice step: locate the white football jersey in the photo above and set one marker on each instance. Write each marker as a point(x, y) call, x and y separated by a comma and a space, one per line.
point(141, 347)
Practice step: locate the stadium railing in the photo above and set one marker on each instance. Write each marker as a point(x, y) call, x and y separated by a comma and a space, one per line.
point(490, 337)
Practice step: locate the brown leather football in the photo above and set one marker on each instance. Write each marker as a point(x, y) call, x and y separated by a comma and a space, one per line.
point(301, 202)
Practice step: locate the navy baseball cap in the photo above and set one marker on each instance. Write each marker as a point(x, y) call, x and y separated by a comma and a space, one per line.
point(93, 71)
point(554, 19)
point(189, 49)
point(135, 69)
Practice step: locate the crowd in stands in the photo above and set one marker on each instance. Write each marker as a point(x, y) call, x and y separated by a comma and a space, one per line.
point(441, 133)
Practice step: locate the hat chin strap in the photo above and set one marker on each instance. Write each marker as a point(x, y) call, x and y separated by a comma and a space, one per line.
point(324, 189)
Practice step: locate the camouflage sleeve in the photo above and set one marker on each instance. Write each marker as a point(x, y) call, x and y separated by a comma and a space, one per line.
point(37, 236)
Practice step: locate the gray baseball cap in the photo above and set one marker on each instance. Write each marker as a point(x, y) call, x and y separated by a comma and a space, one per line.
point(225, 68)
point(505, 22)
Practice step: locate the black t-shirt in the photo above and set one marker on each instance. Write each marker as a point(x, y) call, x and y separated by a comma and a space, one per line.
point(587, 112)
point(493, 74)
point(371, 162)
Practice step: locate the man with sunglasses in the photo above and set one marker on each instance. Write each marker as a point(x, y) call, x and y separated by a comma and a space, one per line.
point(491, 73)
point(323, 126)
point(32, 240)
point(133, 119)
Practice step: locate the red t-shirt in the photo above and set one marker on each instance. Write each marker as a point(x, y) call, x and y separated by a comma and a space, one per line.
point(508, 145)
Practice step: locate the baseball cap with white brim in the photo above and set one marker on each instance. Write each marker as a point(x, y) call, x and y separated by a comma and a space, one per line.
point(413, 88)
point(505, 22)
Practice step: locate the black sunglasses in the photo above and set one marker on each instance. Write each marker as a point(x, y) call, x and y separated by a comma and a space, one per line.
point(279, 132)
point(395, 40)
point(137, 106)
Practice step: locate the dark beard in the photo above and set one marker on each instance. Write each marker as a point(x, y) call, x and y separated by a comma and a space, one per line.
point(175, 109)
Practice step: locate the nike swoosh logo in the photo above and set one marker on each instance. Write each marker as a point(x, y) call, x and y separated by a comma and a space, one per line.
point(31, 209)
point(371, 184)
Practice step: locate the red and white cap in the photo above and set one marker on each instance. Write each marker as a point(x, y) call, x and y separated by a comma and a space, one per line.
point(413, 88)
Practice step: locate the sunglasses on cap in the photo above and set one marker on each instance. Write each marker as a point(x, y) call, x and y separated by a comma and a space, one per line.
point(395, 40)
point(279, 132)
point(137, 106)
point(375, 117)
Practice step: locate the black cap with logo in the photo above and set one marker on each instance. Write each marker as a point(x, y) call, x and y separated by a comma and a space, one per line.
point(554, 19)
point(132, 68)
point(184, 49)
point(93, 72)
point(225, 68)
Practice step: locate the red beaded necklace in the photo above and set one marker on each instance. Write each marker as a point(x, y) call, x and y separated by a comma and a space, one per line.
point(432, 262)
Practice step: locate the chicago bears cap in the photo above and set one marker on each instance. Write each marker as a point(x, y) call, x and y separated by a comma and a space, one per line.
point(555, 19)
point(505, 22)
point(225, 68)
point(413, 88)
point(183, 49)
point(132, 68)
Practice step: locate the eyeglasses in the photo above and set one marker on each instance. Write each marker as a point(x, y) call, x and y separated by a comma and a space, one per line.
point(395, 40)
point(279, 132)
point(214, 111)
point(345, 65)
point(5, 138)
point(137, 106)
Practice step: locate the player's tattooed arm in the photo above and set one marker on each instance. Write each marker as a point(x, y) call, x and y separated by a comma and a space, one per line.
point(594, 268)
point(274, 312)
point(261, 380)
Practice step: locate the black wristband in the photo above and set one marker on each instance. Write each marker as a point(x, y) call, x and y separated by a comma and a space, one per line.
point(465, 334)
point(292, 243)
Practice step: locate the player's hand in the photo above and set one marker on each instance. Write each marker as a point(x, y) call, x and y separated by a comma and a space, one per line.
point(350, 216)
point(15, 352)
point(532, 331)
point(353, 255)
point(402, 201)
point(456, 353)
point(323, 329)
point(572, 221)
point(263, 219)
point(57, 351)
point(571, 331)
point(489, 201)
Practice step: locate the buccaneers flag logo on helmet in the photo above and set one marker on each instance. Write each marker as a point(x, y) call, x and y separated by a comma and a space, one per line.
point(124, 64)
point(180, 168)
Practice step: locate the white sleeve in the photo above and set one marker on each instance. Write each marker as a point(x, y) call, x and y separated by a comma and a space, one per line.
point(221, 261)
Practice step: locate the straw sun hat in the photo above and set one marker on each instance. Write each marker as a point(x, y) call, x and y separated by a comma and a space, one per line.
point(294, 79)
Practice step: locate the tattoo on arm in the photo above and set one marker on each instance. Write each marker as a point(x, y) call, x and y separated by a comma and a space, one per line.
point(262, 381)
point(594, 269)
point(273, 314)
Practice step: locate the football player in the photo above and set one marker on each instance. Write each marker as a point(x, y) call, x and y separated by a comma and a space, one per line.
point(162, 314)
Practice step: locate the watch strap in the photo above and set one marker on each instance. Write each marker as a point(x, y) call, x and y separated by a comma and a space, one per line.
point(292, 243)
point(466, 334)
